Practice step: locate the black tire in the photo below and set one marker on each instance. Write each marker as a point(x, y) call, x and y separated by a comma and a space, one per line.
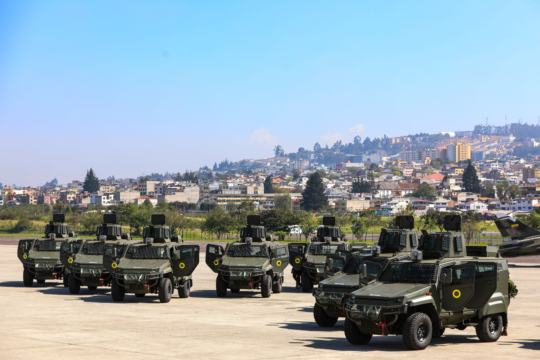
point(28, 278)
point(322, 318)
point(165, 290)
point(40, 281)
point(417, 331)
point(489, 328)
point(266, 286)
point(74, 285)
point(221, 287)
point(117, 292)
point(307, 284)
point(65, 277)
point(92, 288)
point(140, 295)
point(184, 292)
point(235, 291)
point(354, 335)
point(277, 287)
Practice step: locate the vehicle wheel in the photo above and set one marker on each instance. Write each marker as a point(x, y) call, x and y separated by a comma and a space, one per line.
point(417, 331)
point(235, 291)
point(165, 290)
point(307, 285)
point(183, 292)
point(118, 293)
point(65, 277)
point(74, 285)
point(489, 328)
point(266, 286)
point(321, 317)
point(140, 295)
point(40, 281)
point(92, 288)
point(354, 335)
point(28, 277)
point(221, 287)
point(277, 287)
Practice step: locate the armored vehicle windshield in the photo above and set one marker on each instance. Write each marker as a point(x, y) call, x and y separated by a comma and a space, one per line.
point(147, 252)
point(410, 272)
point(326, 249)
point(245, 250)
point(93, 249)
point(328, 231)
point(48, 245)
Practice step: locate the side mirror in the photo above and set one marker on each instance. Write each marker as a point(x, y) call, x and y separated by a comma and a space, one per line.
point(364, 271)
point(71, 234)
point(328, 265)
point(446, 276)
point(114, 252)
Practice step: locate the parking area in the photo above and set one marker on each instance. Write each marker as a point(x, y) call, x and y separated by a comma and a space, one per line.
point(46, 322)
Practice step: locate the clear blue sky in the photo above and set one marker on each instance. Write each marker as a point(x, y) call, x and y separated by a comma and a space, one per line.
point(152, 86)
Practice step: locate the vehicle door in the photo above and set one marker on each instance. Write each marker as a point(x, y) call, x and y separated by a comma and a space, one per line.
point(280, 258)
point(112, 255)
point(185, 259)
point(457, 293)
point(24, 247)
point(333, 264)
point(296, 254)
point(68, 251)
point(214, 253)
point(485, 284)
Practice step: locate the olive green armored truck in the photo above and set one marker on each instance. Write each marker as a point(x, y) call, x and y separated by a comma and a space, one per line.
point(253, 262)
point(333, 292)
point(84, 258)
point(308, 259)
point(41, 257)
point(439, 286)
point(158, 265)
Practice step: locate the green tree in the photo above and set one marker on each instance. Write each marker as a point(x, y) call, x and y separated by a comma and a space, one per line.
point(296, 175)
point(308, 226)
point(436, 163)
point(470, 179)
point(502, 189)
point(278, 150)
point(359, 185)
point(514, 191)
point(217, 222)
point(268, 186)
point(489, 190)
point(424, 190)
point(313, 195)
point(283, 202)
point(91, 182)
point(360, 228)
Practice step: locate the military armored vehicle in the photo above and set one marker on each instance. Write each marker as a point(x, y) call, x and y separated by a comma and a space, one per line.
point(440, 286)
point(253, 262)
point(308, 259)
point(41, 257)
point(157, 266)
point(394, 244)
point(84, 258)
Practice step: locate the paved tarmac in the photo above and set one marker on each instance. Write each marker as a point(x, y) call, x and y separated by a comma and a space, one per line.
point(46, 322)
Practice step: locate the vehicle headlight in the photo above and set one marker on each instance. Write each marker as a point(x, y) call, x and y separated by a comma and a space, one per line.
point(155, 270)
point(258, 267)
point(353, 298)
point(320, 286)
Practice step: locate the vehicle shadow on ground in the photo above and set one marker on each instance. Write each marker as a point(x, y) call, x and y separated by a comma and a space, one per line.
point(293, 289)
point(528, 344)
point(61, 290)
point(211, 294)
point(308, 326)
point(20, 284)
point(308, 309)
point(523, 266)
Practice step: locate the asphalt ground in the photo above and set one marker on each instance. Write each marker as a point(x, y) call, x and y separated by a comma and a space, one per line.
point(46, 322)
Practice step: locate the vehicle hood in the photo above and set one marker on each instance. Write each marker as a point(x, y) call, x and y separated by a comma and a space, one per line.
point(44, 255)
point(341, 279)
point(389, 290)
point(244, 262)
point(141, 264)
point(89, 259)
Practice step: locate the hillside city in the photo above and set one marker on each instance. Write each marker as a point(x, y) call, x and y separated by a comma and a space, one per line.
point(408, 175)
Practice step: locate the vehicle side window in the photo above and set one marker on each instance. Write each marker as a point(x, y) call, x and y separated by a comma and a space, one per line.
point(185, 253)
point(413, 240)
point(281, 251)
point(481, 268)
point(403, 240)
point(457, 244)
point(212, 250)
point(461, 274)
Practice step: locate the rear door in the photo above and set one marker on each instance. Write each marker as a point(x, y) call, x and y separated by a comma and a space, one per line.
point(280, 259)
point(24, 247)
point(296, 254)
point(485, 284)
point(458, 293)
point(214, 253)
point(189, 259)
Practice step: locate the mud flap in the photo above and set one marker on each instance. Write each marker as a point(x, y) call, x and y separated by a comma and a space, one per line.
point(214, 253)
